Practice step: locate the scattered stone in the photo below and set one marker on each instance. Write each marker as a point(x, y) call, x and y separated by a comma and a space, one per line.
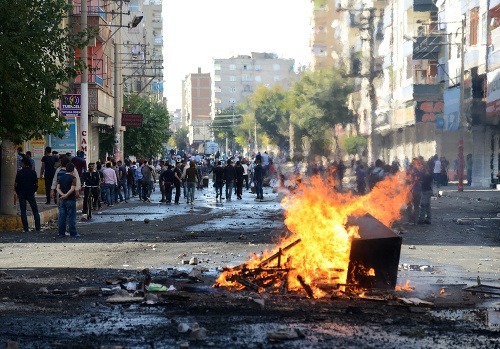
point(43, 290)
point(198, 334)
point(3, 274)
point(151, 298)
point(130, 220)
point(283, 334)
point(416, 301)
point(412, 247)
point(146, 220)
point(184, 345)
point(193, 261)
point(183, 328)
point(461, 221)
point(11, 345)
point(259, 301)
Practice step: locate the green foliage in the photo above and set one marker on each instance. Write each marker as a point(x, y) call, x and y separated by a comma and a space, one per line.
point(352, 144)
point(34, 66)
point(180, 138)
point(270, 108)
point(319, 103)
point(146, 140)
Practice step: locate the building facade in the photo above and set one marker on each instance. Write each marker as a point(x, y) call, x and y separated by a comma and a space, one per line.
point(235, 78)
point(426, 76)
point(196, 107)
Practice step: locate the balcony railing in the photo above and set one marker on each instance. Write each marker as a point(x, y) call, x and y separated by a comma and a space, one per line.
point(93, 79)
point(91, 10)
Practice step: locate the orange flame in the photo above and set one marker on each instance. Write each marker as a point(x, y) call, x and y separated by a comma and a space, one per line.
point(317, 215)
point(405, 287)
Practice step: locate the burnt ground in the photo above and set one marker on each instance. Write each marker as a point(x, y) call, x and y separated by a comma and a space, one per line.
point(56, 294)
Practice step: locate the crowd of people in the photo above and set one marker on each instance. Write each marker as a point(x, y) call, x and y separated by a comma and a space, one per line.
point(66, 177)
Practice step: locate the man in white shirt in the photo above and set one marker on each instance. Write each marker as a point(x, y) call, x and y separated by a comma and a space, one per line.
point(245, 173)
point(110, 182)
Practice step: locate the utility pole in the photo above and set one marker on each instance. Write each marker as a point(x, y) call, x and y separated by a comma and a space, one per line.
point(462, 112)
point(84, 88)
point(118, 146)
point(371, 78)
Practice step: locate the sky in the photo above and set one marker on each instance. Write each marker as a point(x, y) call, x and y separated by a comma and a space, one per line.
point(197, 31)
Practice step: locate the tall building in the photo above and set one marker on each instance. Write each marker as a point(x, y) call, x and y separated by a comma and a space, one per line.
point(235, 78)
point(100, 60)
point(324, 43)
point(142, 58)
point(196, 107)
point(426, 77)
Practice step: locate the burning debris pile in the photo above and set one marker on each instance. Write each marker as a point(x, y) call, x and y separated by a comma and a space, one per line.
point(336, 240)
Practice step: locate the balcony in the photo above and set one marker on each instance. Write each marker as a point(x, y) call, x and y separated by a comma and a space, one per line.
point(101, 104)
point(427, 47)
point(424, 6)
point(157, 22)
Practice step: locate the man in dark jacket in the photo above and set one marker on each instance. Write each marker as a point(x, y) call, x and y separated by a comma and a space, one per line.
point(239, 179)
point(258, 179)
point(26, 185)
point(47, 171)
point(218, 178)
point(168, 179)
point(229, 177)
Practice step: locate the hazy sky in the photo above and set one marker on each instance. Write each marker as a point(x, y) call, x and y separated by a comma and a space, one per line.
point(196, 31)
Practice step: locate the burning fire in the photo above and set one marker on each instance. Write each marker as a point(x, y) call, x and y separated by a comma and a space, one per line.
point(319, 243)
point(405, 287)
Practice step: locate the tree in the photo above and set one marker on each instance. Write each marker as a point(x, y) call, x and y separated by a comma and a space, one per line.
point(181, 138)
point(149, 139)
point(269, 106)
point(35, 66)
point(319, 104)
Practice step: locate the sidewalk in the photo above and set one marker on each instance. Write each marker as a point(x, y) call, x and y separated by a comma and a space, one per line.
point(47, 214)
point(473, 193)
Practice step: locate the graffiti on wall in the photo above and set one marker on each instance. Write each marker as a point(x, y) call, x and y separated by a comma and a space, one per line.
point(430, 112)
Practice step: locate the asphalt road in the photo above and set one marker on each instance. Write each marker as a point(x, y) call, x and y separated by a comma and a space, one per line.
point(55, 293)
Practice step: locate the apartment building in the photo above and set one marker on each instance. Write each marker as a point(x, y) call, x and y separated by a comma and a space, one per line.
point(142, 57)
point(235, 78)
point(419, 90)
point(196, 107)
point(323, 42)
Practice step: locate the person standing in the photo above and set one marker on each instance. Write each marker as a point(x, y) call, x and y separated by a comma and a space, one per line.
point(360, 179)
point(239, 179)
point(258, 178)
point(91, 182)
point(138, 178)
point(468, 168)
point(79, 162)
point(218, 178)
point(147, 181)
point(244, 164)
point(425, 200)
point(122, 182)
point(437, 171)
point(47, 172)
point(229, 177)
point(168, 179)
point(26, 185)
point(191, 180)
point(414, 180)
point(32, 161)
point(66, 185)
point(177, 181)
point(110, 182)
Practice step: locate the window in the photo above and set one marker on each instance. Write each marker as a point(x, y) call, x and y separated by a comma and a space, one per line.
point(258, 67)
point(258, 78)
point(216, 66)
point(276, 66)
point(232, 78)
point(232, 67)
point(216, 77)
point(474, 25)
point(247, 88)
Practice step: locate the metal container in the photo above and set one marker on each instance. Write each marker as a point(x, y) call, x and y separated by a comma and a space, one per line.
point(379, 249)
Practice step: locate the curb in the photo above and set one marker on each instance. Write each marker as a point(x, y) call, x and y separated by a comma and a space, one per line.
point(13, 223)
